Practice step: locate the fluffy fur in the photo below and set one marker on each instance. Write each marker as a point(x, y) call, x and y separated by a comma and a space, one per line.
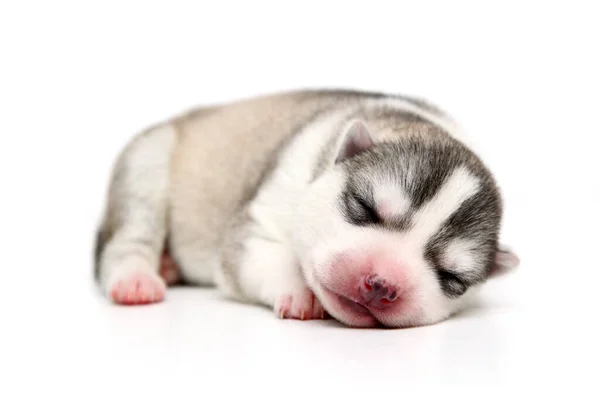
point(364, 206)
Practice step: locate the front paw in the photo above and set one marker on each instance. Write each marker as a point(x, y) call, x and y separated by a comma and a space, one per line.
point(299, 304)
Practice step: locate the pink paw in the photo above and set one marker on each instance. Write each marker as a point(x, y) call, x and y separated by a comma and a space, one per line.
point(138, 287)
point(301, 305)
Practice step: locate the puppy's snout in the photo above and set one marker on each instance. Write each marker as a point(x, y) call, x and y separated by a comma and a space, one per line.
point(377, 292)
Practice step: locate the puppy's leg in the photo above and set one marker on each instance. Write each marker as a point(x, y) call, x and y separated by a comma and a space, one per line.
point(132, 234)
point(258, 267)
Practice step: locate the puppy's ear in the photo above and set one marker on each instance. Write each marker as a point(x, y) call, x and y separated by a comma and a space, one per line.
point(505, 261)
point(355, 140)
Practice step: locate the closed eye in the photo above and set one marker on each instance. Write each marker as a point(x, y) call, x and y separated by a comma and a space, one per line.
point(452, 284)
point(370, 212)
point(359, 210)
point(445, 274)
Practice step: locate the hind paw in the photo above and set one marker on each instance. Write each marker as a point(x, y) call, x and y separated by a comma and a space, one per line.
point(138, 287)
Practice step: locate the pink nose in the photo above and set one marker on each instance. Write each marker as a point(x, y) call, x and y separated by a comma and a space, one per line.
point(376, 292)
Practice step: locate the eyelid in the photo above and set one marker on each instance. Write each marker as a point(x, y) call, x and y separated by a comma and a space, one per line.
point(450, 279)
point(373, 214)
point(450, 274)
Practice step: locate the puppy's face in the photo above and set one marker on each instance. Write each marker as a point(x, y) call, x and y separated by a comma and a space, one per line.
point(400, 233)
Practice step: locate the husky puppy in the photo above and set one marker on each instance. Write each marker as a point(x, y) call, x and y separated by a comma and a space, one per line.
point(365, 207)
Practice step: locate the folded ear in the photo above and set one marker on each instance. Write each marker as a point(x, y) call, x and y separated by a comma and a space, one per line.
point(505, 261)
point(355, 140)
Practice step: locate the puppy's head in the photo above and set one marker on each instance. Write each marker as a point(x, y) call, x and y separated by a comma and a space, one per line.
point(400, 232)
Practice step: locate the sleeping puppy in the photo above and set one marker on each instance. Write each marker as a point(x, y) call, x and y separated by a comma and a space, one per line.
point(366, 207)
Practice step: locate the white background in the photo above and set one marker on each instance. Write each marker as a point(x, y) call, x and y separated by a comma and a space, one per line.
point(77, 80)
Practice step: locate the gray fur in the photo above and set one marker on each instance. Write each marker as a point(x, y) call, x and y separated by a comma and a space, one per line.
point(241, 144)
point(430, 162)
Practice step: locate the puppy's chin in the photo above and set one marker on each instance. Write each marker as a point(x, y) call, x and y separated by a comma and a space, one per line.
point(345, 310)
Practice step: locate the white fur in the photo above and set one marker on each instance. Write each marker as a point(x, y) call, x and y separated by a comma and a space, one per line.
point(296, 227)
point(323, 232)
point(146, 175)
point(270, 268)
point(460, 256)
point(391, 201)
point(298, 220)
point(302, 220)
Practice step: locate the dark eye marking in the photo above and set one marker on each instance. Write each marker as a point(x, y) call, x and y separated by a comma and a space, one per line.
point(454, 280)
point(452, 284)
point(370, 212)
point(359, 210)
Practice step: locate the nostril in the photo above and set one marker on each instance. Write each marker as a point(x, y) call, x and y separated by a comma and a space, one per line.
point(371, 282)
point(378, 292)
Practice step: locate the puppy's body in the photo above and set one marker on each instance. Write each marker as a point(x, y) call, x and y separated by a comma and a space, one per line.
point(265, 197)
